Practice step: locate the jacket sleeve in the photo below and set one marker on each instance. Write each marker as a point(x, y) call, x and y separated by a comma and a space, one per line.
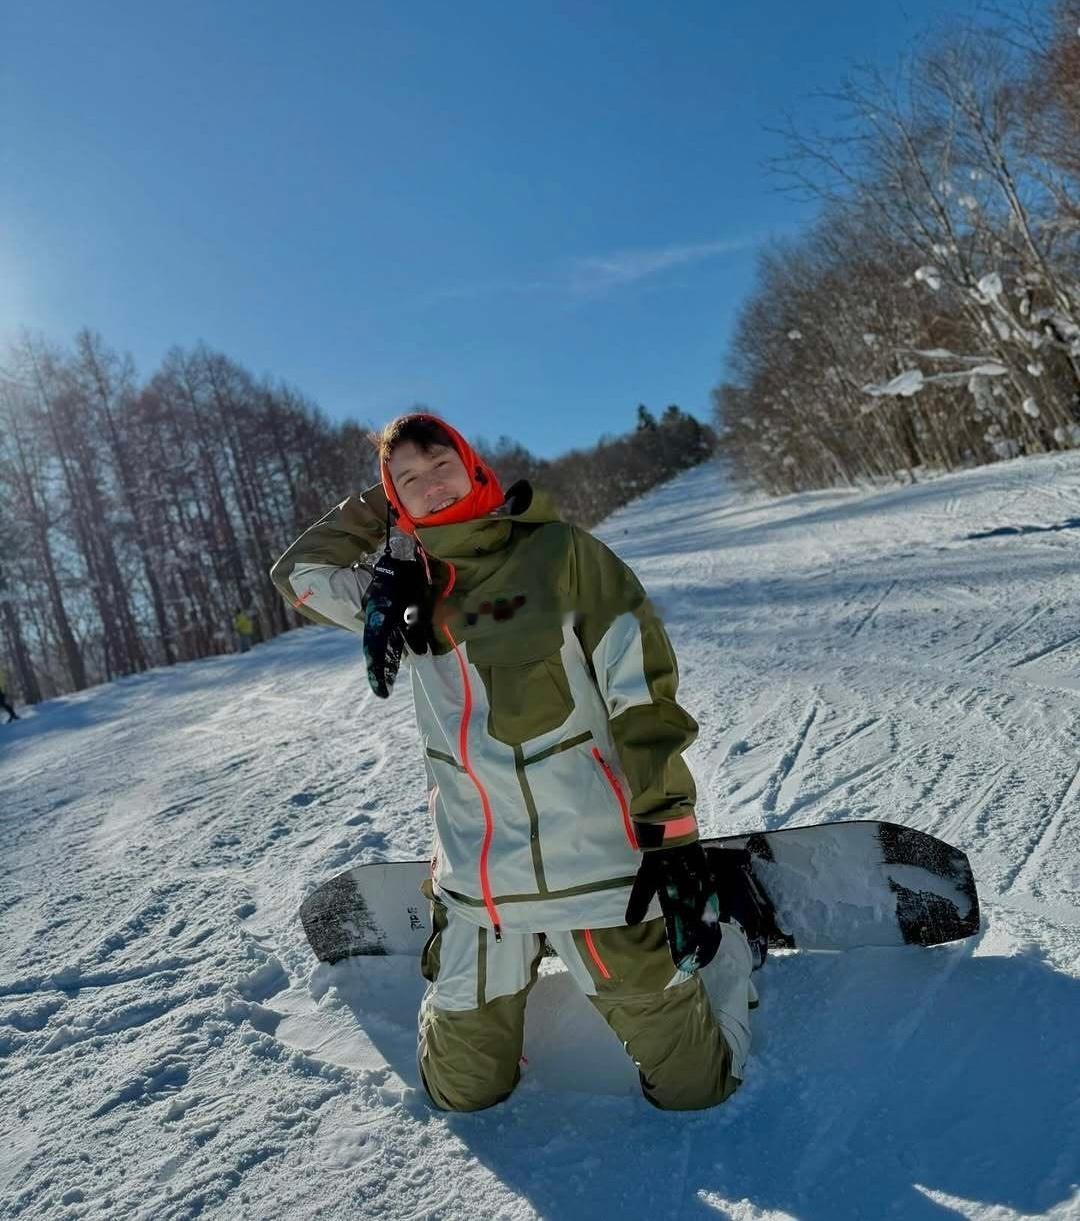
point(315, 574)
point(636, 672)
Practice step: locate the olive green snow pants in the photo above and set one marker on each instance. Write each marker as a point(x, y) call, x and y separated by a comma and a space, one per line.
point(472, 1018)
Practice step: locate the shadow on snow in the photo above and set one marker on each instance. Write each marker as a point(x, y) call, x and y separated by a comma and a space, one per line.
point(878, 1076)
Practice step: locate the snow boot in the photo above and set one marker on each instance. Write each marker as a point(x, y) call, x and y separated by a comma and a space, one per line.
point(731, 993)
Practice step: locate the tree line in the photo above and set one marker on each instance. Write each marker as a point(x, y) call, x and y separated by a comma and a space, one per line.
point(138, 518)
point(590, 484)
point(930, 319)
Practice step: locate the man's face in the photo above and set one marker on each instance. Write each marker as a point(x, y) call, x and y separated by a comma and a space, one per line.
point(427, 480)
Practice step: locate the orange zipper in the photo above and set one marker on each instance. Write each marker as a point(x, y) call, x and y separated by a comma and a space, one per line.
point(628, 826)
point(463, 747)
point(595, 956)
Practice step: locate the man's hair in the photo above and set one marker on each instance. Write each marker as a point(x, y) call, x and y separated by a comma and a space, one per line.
point(422, 431)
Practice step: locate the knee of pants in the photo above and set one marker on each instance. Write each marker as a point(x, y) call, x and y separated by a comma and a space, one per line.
point(708, 1090)
point(692, 1080)
point(458, 1094)
point(683, 1058)
point(470, 1059)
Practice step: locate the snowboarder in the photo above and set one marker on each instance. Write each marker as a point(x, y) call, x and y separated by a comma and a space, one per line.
point(545, 693)
point(4, 702)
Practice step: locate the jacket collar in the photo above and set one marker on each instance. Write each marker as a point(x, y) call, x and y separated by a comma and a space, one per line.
point(478, 547)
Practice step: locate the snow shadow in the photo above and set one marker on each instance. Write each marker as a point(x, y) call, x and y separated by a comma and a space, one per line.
point(888, 1074)
point(879, 1078)
point(1070, 523)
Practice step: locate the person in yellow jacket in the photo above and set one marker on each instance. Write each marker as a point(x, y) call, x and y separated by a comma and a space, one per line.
point(5, 703)
point(544, 687)
point(244, 627)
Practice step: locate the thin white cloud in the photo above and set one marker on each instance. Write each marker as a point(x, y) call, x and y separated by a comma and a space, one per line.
point(595, 275)
point(601, 273)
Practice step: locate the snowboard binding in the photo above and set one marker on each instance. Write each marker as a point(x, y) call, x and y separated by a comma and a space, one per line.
point(742, 900)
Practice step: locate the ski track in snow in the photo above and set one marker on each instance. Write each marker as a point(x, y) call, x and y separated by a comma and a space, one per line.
point(169, 1049)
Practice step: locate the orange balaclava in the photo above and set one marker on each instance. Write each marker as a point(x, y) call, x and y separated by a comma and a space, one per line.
point(484, 496)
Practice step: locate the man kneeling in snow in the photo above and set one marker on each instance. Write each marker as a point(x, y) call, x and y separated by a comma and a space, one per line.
point(545, 693)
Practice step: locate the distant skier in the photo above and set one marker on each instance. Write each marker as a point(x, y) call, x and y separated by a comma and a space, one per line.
point(545, 693)
point(244, 627)
point(4, 702)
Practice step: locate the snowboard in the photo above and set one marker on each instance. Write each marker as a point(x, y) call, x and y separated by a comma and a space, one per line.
point(832, 886)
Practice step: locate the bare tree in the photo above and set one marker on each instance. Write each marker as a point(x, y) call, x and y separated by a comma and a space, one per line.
point(932, 317)
point(27, 516)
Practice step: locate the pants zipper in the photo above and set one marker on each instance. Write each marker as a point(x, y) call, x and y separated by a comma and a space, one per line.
point(595, 956)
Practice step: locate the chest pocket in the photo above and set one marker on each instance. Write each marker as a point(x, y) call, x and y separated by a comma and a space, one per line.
point(521, 666)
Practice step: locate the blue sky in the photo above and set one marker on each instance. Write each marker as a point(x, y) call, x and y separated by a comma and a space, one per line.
point(529, 216)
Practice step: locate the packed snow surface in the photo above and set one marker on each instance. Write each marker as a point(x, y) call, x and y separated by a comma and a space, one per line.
point(170, 1049)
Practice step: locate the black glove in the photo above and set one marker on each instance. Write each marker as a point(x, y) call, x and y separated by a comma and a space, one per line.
point(397, 611)
point(683, 881)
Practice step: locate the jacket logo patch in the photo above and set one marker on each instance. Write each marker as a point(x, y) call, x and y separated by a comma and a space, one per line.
point(501, 609)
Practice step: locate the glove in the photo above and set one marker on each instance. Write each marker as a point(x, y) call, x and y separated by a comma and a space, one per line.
point(682, 879)
point(397, 612)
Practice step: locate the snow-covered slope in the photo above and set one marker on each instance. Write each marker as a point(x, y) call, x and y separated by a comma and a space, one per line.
point(168, 1047)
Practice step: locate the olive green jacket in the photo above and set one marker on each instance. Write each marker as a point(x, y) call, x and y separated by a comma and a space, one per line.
point(552, 736)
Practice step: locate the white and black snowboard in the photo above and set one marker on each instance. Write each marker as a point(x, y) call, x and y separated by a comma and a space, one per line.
point(833, 886)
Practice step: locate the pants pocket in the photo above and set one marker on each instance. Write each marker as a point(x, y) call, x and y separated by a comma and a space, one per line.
point(431, 953)
point(627, 960)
